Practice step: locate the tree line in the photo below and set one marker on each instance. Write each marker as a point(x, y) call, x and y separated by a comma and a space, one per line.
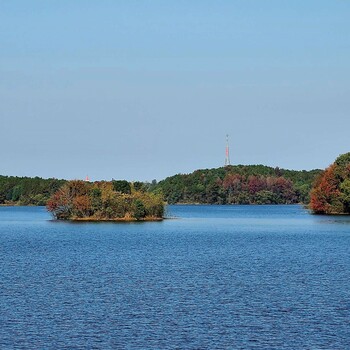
point(241, 184)
point(26, 190)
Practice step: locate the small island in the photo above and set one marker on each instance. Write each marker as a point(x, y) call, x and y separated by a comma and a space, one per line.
point(105, 201)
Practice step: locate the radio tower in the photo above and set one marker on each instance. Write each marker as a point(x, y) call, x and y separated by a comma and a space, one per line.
point(227, 157)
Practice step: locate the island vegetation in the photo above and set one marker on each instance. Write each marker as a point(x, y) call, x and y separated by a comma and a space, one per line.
point(241, 184)
point(105, 201)
point(331, 191)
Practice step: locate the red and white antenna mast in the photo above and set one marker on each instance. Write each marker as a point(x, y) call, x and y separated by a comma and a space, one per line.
point(227, 153)
point(87, 179)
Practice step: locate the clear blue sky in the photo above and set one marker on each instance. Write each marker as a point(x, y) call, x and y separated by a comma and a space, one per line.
point(146, 89)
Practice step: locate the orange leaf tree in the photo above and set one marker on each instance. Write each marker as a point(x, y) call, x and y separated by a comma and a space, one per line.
point(331, 191)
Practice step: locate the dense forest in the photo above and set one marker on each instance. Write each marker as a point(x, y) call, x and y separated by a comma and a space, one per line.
point(113, 200)
point(331, 191)
point(26, 190)
point(241, 184)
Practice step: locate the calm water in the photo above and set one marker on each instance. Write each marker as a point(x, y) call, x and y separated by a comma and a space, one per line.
point(218, 277)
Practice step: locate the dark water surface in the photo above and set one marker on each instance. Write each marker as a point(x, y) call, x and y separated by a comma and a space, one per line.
point(218, 277)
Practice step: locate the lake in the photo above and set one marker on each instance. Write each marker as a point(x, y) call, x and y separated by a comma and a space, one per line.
point(214, 277)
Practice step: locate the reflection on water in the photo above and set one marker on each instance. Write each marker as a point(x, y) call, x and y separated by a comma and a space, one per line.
point(240, 277)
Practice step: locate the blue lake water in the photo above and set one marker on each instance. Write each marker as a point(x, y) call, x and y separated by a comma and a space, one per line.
point(216, 277)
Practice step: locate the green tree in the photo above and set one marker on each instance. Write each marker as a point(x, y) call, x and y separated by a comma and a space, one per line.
point(139, 186)
point(122, 186)
point(345, 195)
point(96, 200)
point(139, 210)
point(16, 193)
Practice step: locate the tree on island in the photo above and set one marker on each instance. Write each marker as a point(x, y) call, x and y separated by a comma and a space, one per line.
point(99, 201)
point(331, 191)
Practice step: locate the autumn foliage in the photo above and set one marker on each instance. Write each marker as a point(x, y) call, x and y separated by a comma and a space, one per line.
point(241, 184)
point(116, 200)
point(331, 191)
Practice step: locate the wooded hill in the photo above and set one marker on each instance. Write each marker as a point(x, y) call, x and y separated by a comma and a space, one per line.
point(241, 184)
